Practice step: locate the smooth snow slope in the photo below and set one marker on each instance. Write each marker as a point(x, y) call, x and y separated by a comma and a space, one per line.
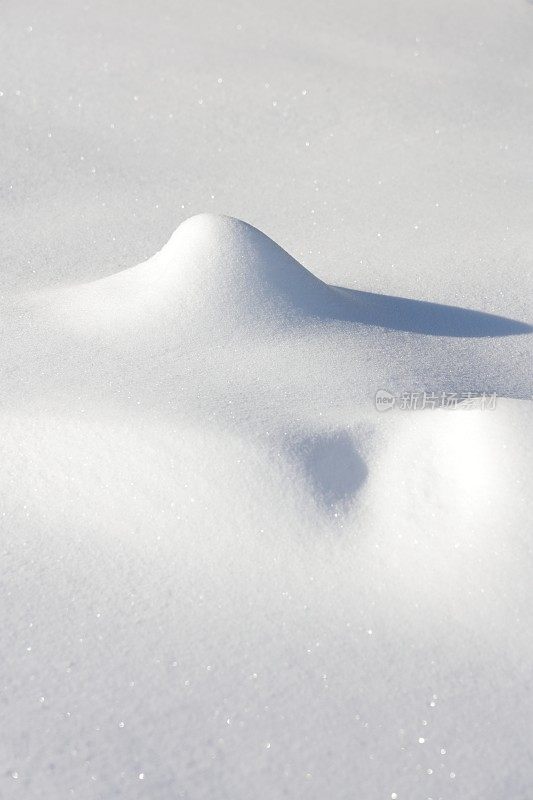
point(386, 145)
point(226, 574)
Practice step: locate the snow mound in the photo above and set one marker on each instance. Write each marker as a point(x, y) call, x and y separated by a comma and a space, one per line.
point(224, 529)
point(224, 262)
point(217, 272)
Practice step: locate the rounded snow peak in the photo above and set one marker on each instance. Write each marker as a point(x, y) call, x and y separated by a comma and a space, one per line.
point(222, 261)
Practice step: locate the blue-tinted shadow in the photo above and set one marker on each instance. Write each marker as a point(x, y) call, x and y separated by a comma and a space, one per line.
point(418, 316)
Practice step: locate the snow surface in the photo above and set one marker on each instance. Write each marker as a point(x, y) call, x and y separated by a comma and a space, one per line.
point(225, 574)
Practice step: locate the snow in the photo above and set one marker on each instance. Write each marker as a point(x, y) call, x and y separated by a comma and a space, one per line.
point(225, 572)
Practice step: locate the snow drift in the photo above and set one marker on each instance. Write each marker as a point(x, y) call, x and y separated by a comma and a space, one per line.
point(220, 272)
point(224, 573)
point(225, 568)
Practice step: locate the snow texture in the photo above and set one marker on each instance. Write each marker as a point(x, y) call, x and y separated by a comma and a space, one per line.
point(225, 572)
